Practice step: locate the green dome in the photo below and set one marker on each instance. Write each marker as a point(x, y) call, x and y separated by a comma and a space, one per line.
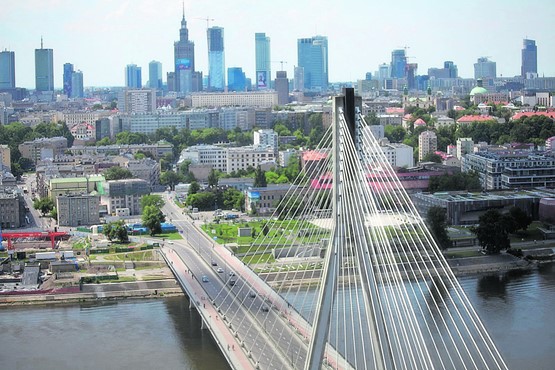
point(478, 90)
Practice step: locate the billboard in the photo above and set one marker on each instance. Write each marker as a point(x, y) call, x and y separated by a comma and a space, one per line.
point(183, 64)
point(261, 79)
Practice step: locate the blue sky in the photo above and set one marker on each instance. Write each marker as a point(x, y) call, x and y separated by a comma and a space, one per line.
point(100, 37)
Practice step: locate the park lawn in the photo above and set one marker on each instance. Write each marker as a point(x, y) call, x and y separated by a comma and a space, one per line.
point(258, 258)
point(462, 254)
point(130, 256)
point(169, 236)
point(531, 234)
point(279, 232)
point(125, 279)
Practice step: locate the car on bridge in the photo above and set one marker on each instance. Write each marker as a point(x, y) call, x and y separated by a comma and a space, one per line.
point(205, 279)
point(264, 308)
point(220, 270)
point(232, 282)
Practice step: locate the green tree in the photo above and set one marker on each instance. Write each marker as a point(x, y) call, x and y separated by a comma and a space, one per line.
point(521, 219)
point(213, 178)
point(170, 178)
point(44, 205)
point(117, 173)
point(204, 201)
point(194, 188)
point(116, 231)
point(152, 200)
point(437, 221)
point(233, 199)
point(395, 134)
point(432, 157)
point(493, 231)
point(152, 219)
point(259, 178)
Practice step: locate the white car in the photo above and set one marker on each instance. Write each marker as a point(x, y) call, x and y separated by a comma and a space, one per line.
point(220, 270)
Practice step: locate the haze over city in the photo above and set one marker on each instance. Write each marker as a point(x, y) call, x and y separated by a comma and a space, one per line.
point(101, 37)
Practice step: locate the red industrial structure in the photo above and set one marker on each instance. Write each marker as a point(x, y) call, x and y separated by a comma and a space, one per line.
point(52, 235)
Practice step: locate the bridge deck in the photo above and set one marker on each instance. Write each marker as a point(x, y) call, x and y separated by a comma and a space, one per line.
point(222, 334)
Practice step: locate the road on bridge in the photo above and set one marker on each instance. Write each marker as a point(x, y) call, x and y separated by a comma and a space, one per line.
point(259, 320)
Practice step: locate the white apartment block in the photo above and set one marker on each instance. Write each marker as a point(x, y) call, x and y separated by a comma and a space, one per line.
point(248, 156)
point(264, 99)
point(465, 145)
point(228, 159)
point(137, 100)
point(427, 143)
point(212, 155)
point(73, 118)
point(398, 155)
point(266, 137)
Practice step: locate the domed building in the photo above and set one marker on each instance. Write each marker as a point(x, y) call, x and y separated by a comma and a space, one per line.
point(478, 89)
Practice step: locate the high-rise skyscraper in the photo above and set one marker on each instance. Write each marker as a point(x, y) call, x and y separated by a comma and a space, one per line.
point(216, 58)
point(236, 79)
point(155, 75)
point(186, 79)
point(263, 60)
point(7, 69)
point(133, 76)
point(529, 57)
point(68, 70)
point(485, 68)
point(77, 84)
point(44, 68)
point(298, 78)
point(312, 54)
point(398, 63)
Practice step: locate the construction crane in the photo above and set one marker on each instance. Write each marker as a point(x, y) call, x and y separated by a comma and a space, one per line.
point(281, 62)
point(207, 19)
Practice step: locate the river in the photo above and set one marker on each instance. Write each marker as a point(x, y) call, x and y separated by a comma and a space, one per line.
point(517, 308)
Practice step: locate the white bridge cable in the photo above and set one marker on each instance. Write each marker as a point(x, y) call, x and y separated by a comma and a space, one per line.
point(410, 249)
point(407, 206)
point(407, 330)
point(409, 274)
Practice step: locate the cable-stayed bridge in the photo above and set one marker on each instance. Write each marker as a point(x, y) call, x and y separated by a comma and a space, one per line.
point(358, 281)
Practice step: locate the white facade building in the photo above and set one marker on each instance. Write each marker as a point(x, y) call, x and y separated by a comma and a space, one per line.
point(465, 145)
point(266, 137)
point(266, 99)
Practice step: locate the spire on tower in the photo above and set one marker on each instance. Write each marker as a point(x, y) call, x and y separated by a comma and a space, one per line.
point(183, 9)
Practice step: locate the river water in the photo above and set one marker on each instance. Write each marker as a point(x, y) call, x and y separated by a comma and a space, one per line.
point(517, 309)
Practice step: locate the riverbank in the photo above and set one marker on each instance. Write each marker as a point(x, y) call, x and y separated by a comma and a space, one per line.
point(94, 293)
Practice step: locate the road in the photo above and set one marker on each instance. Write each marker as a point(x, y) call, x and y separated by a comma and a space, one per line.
point(258, 316)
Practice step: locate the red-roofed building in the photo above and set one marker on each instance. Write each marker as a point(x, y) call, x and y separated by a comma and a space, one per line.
point(313, 162)
point(419, 122)
point(395, 110)
point(532, 114)
point(469, 118)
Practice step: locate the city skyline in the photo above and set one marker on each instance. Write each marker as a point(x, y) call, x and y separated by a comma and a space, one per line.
point(102, 37)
